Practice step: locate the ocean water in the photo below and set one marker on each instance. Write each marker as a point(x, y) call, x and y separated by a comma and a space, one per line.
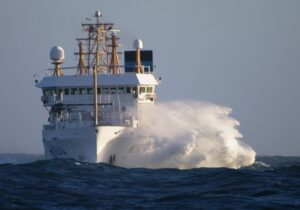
point(186, 155)
point(28, 182)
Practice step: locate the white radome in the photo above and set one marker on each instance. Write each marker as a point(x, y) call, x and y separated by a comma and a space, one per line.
point(57, 54)
point(98, 13)
point(138, 44)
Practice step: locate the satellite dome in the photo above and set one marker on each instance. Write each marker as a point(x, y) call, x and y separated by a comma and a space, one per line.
point(57, 54)
point(98, 13)
point(138, 44)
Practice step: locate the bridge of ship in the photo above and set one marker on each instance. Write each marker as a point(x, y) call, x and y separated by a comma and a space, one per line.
point(117, 94)
point(77, 89)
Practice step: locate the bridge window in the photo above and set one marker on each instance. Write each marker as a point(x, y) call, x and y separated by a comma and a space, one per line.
point(67, 91)
point(74, 91)
point(105, 90)
point(134, 90)
point(113, 90)
point(46, 92)
point(99, 91)
point(120, 90)
point(51, 91)
point(149, 89)
point(82, 91)
point(142, 90)
point(59, 91)
point(89, 91)
point(128, 90)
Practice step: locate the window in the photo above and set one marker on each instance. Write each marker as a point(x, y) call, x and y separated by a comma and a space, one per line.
point(59, 91)
point(142, 89)
point(53, 91)
point(67, 91)
point(149, 89)
point(89, 91)
point(99, 91)
point(105, 90)
point(134, 90)
point(74, 91)
point(120, 90)
point(81, 91)
point(113, 90)
point(128, 90)
point(46, 92)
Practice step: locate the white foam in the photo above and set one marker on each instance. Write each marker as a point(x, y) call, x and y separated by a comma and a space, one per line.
point(183, 135)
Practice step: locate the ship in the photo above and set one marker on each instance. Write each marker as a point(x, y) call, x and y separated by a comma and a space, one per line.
point(94, 102)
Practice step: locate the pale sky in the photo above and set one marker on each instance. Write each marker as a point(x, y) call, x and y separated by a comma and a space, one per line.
point(240, 54)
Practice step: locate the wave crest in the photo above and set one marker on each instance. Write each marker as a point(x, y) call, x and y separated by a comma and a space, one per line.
point(182, 135)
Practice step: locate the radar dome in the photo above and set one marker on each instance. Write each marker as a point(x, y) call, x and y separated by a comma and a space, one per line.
point(98, 13)
point(57, 54)
point(138, 44)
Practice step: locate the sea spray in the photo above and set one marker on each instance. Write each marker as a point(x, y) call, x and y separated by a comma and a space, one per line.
point(182, 135)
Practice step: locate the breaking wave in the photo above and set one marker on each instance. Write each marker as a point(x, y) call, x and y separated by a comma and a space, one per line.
point(182, 135)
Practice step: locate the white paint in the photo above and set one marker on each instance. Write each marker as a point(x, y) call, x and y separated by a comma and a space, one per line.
point(128, 79)
point(83, 144)
point(138, 44)
point(57, 54)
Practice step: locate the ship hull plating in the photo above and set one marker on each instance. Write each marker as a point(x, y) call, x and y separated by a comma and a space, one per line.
point(83, 144)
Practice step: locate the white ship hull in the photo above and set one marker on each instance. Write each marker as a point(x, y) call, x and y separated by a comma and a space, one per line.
point(82, 143)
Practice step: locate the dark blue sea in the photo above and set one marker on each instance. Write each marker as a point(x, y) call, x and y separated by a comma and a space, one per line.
point(27, 182)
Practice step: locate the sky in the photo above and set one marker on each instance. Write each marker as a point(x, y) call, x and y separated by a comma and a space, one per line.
point(240, 54)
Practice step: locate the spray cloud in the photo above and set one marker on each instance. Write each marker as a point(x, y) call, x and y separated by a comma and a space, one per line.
point(182, 135)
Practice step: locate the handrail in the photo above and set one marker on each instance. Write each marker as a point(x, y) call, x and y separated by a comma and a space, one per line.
point(148, 67)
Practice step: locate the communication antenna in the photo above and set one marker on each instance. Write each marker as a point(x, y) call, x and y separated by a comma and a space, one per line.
point(97, 46)
point(98, 15)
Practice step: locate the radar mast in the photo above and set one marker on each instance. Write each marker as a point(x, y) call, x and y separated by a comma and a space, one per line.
point(99, 49)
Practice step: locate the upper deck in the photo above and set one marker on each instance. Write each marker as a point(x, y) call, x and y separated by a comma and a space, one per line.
point(78, 89)
point(109, 80)
point(101, 89)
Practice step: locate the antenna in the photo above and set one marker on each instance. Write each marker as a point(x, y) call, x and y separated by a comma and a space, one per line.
point(98, 39)
point(98, 15)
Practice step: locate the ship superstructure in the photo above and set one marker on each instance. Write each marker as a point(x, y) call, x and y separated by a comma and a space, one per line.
point(93, 106)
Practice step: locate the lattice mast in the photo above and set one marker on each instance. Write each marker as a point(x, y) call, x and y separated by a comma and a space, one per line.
point(102, 38)
point(100, 53)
